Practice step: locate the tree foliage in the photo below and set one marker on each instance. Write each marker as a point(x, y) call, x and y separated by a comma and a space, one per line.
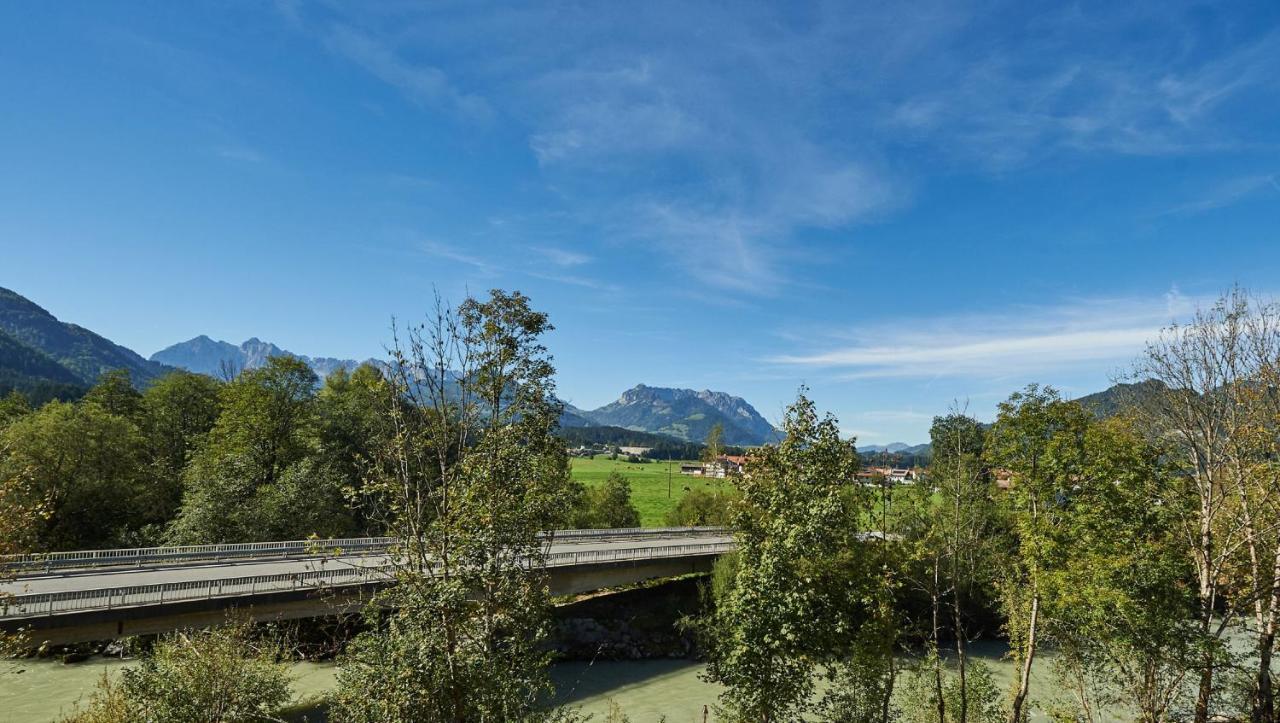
point(786, 611)
point(219, 675)
point(606, 506)
point(471, 475)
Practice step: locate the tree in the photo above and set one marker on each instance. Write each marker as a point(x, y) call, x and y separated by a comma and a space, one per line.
point(220, 675)
point(1122, 615)
point(772, 626)
point(700, 508)
point(178, 410)
point(83, 467)
point(471, 474)
point(1038, 438)
point(957, 539)
point(350, 425)
point(24, 509)
point(115, 394)
point(267, 425)
point(607, 506)
point(12, 406)
point(714, 446)
point(1213, 401)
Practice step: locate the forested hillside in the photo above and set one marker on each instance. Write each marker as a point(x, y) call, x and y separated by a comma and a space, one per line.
point(84, 354)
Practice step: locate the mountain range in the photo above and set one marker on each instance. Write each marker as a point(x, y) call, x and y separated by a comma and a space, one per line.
point(45, 357)
point(685, 414)
point(216, 358)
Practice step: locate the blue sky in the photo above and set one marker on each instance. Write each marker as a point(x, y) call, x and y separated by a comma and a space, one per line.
point(900, 205)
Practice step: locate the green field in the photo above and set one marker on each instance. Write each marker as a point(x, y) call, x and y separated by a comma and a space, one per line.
point(648, 483)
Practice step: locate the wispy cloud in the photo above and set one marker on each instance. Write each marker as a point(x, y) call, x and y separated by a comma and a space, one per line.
point(1225, 194)
point(1029, 340)
point(239, 153)
point(562, 257)
point(423, 84)
point(729, 138)
point(450, 253)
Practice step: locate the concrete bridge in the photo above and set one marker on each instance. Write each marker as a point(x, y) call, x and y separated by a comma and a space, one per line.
point(69, 597)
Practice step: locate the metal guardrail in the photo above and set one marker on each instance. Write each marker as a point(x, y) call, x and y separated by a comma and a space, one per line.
point(34, 605)
point(138, 556)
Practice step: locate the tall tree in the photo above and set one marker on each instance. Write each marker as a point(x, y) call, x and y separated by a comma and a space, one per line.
point(115, 394)
point(350, 426)
point(178, 410)
point(84, 466)
point(714, 446)
point(1039, 438)
point(12, 406)
point(965, 532)
point(1122, 614)
point(471, 475)
point(606, 506)
point(1214, 402)
point(768, 633)
point(233, 483)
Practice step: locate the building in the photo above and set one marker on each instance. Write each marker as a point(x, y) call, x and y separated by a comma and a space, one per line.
point(726, 465)
point(893, 475)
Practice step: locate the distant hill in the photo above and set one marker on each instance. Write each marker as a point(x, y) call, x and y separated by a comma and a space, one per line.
point(1113, 400)
point(34, 373)
point(893, 447)
point(685, 414)
point(208, 356)
point(82, 353)
point(574, 417)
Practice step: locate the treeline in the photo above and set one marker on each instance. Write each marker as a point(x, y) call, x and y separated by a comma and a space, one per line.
point(273, 454)
point(268, 455)
point(661, 446)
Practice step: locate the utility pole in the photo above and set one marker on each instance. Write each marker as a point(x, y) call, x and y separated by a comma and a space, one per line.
point(668, 478)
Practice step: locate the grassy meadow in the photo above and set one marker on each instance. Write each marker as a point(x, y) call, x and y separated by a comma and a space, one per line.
point(648, 483)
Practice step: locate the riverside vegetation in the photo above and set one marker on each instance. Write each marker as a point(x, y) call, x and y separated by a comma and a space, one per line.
point(1136, 548)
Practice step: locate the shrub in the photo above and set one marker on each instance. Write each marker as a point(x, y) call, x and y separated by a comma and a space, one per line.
point(203, 676)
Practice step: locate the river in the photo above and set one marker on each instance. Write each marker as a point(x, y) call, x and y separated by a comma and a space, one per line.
point(645, 689)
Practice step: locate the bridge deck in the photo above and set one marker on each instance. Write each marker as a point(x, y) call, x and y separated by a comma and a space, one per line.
point(72, 590)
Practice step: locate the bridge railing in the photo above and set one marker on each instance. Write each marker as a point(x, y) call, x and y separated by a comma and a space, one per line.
point(35, 605)
point(138, 556)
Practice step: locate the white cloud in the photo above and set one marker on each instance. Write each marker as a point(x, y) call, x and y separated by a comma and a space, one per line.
point(423, 84)
point(1225, 194)
point(720, 136)
point(1029, 340)
point(450, 253)
point(562, 257)
point(240, 153)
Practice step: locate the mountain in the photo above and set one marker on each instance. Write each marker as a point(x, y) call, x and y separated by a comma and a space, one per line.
point(1111, 401)
point(34, 373)
point(574, 417)
point(81, 352)
point(894, 448)
point(684, 414)
point(208, 356)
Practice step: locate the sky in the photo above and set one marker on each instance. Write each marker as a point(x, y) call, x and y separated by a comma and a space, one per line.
point(905, 207)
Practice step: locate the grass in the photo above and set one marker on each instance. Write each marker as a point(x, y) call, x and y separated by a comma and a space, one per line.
point(648, 483)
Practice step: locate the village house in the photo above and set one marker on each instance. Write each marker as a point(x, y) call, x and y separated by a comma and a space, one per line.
point(725, 465)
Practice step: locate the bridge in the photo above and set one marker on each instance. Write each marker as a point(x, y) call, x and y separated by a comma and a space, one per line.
point(68, 597)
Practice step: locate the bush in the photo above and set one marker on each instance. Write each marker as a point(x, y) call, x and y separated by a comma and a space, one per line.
point(608, 506)
point(700, 508)
point(206, 676)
